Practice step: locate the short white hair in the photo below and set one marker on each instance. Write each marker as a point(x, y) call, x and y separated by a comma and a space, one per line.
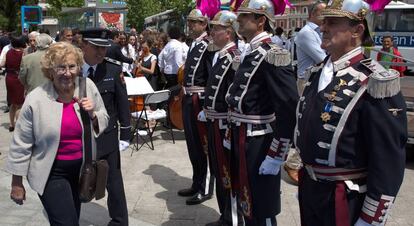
point(33, 34)
point(43, 41)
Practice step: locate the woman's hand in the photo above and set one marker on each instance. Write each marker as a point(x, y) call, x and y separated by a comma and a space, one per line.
point(87, 105)
point(18, 193)
point(139, 67)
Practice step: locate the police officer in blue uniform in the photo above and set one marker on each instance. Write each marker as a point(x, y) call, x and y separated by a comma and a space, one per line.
point(351, 128)
point(225, 62)
point(262, 101)
point(196, 71)
point(105, 73)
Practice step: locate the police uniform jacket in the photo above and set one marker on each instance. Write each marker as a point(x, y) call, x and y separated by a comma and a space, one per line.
point(114, 95)
point(355, 128)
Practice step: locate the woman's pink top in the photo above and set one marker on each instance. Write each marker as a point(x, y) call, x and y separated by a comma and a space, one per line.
point(70, 145)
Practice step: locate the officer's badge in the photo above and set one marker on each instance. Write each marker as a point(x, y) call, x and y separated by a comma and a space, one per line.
point(325, 116)
point(394, 111)
point(332, 96)
point(340, 84)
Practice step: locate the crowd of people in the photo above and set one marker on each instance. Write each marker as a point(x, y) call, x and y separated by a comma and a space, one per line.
point(245, 103)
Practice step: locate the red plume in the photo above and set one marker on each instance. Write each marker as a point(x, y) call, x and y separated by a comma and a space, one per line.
point(280, 6)
point(377, 5)
point(209, 7)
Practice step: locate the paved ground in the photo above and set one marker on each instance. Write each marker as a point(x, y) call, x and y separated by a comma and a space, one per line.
point(152, 179)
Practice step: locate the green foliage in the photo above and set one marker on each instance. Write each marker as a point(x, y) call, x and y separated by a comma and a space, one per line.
point(55, 6)
point(139, 9)
point(3, 21)
point(10, 13)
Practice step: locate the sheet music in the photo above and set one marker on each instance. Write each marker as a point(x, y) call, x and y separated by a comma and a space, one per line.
point(137, 86)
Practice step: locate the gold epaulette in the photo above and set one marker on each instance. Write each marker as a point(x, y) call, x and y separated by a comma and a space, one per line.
point(382, 82)
point(312, 69)
point(278, 56)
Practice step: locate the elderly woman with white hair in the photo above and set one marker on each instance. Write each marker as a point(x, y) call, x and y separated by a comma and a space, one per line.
point(47, 146)
point(31, 75)
point(31, 47)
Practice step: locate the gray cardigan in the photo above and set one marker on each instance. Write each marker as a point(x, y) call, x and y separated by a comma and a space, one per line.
point(36, 137)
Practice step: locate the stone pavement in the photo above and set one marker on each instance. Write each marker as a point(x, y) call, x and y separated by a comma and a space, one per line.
point(151, 180)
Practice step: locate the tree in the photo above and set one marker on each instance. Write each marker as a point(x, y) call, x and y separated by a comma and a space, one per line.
point(55, 6)
point(10, 13)
point(138, 10)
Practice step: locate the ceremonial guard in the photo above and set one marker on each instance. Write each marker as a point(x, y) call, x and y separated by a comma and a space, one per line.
point(225, 62)
point(105, 73)
point(351, 128)
point(262, 101)
point(196, 70)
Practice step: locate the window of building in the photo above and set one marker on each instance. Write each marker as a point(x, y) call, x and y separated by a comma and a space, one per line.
point(305, 10)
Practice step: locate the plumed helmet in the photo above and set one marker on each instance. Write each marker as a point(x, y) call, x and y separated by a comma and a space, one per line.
point(225, 18)
point(357, 10)
point(352, 9)
point(197, 15)
point(263, 7)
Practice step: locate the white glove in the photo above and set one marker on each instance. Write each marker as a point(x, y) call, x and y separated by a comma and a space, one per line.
point(201, 117)
point(361, 222)
point(226, 144)
point(270, 166)
point(226, 140)
point(123, 145)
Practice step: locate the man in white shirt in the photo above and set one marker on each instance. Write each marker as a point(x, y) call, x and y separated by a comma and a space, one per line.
point(308, 43)
point(279, 39)
point(172, 57)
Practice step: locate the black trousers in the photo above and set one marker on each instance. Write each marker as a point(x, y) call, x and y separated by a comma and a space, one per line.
point(117, 205)
point(61, 196)
point(222, 195)
point(317, 202)
point(198, 159)
point(264, 189)
point(171, 80)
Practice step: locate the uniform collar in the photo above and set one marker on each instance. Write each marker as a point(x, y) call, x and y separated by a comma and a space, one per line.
point(347, 59)
point(258, 39)
point(312, 25)
point(226, 49)
point(201, 37)
point(85, 69)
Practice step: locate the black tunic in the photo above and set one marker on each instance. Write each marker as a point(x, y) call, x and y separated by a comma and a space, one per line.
point(345, 126)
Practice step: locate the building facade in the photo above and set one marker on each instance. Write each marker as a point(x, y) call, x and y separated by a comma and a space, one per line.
point(296, 16)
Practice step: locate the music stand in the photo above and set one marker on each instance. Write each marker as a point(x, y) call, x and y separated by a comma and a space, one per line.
point(138, 87)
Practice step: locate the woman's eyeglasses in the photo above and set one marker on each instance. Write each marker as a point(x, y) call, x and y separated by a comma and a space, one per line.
point(61, 69)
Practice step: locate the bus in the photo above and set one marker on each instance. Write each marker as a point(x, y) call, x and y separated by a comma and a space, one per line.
point(163, 20)
point(397, 20)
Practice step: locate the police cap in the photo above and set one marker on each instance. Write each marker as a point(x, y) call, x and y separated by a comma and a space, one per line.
point(96, 36)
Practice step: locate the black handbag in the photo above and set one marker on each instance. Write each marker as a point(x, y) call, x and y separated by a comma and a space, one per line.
point(94, 173)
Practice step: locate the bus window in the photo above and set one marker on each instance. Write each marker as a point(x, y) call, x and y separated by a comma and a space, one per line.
point(395, 20)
